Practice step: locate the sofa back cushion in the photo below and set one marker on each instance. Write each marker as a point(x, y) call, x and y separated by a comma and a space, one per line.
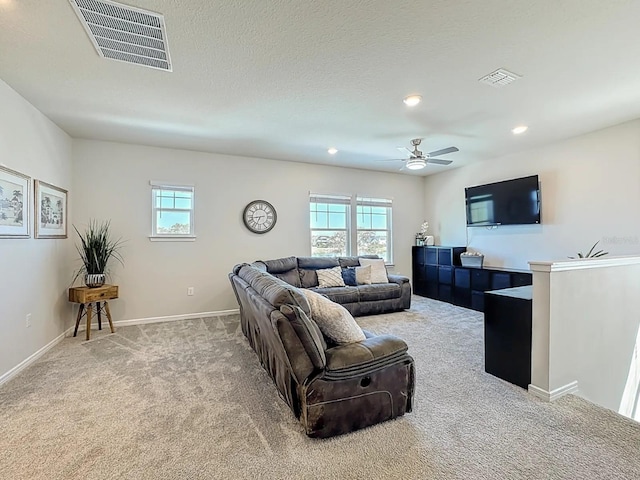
point(307, 267)
point(308, 333)
point(285, 269)
point(274, 290)
point(353, 261)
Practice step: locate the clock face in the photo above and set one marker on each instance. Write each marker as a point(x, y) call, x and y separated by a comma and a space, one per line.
point(259, 216)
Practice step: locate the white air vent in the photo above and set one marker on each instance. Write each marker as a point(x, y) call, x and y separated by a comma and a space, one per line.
point(124, 33)
point(500, 78)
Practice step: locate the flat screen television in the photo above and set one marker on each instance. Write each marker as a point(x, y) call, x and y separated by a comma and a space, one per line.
point(510, 202)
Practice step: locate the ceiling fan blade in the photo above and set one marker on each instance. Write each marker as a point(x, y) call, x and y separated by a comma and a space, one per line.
point(444, 151)
point(393, 160)
point(405, 150)
point(438, 161)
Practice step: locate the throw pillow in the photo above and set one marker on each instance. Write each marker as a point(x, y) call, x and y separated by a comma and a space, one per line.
point(334, 320)
point(330, 277)
point(349, 276)
point(363, 275)
point(378, 269)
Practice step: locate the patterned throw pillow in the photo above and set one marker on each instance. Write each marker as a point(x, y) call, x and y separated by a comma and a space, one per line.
point(334, 320)
point(330, 277)
point(378, 269)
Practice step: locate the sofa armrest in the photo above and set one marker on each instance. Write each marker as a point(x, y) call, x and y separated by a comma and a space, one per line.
point(399, 279)
point(361, 357)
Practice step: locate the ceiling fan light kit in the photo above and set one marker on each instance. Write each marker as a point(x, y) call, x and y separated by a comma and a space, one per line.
point(416, 163)
point(412, 100)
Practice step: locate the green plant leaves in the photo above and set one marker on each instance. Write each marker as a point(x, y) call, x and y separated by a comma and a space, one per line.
point(591, 253)
point(97, 248)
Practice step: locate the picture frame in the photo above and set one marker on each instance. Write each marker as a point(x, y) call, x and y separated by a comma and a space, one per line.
point(15, 204)
point(50, 211)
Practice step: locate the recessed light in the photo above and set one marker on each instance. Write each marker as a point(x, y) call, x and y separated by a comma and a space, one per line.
point(520, 129)
point(332, 151)
point(412, 100)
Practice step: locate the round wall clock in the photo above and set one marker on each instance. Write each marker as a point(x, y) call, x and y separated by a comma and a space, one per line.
point(259, 216)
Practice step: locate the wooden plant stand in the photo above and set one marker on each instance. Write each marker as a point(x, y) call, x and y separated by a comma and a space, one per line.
point(87, 297)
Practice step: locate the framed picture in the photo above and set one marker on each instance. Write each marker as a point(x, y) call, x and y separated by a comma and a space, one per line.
point(15, 201)
point(51, 211)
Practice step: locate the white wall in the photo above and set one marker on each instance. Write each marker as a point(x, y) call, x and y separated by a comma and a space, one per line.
point(586, 325)
point(111, 181)
point(590, 190)
point(34, 273)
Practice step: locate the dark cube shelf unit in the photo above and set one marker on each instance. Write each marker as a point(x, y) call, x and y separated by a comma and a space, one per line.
point(439, 274)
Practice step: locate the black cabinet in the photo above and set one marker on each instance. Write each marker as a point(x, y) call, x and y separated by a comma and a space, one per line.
point(438, 274)
point(507, 334)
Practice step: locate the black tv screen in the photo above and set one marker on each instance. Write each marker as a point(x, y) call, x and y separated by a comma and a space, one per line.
point(510, 202)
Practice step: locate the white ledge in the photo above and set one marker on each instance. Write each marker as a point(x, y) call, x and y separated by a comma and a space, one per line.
point(583, 263)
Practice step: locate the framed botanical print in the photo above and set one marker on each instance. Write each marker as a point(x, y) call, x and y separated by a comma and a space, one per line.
point(15, 204)
point(51, 211)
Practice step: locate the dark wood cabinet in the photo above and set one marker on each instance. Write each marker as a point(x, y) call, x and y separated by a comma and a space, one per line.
point(507, 334)
point(438, 274)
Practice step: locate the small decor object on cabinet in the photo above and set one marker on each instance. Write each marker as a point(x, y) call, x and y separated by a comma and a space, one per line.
point(259, 216)
point(50, 211)
point(96, 249)
point(15, 201)
point(472, 259)
point(422, 238)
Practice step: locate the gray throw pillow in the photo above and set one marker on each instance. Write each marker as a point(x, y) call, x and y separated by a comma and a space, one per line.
point(334, 320)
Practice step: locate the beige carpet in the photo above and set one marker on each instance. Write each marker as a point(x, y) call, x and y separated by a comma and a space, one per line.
point(188, 400)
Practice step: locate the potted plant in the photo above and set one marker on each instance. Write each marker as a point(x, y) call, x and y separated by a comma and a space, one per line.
point(591, 253)
point(96, 249)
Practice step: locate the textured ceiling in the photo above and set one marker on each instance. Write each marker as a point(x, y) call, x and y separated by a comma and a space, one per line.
point(286, 79)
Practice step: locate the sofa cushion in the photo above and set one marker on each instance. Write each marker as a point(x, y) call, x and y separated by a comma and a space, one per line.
point(378, 269)
point(309, 334)
point(330, 277)
point(308, 277)
point(353, 261)
point(292, 277)
point(379, 291)
point(374, 350)
point(281, 265)
point(275, 291)
point(315, 263)
point(334, 320)
point(339, 294)
point(363, 275)
point(349, 276)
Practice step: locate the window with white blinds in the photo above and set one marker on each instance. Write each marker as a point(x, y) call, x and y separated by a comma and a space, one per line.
point(374, 227)
point(172, 211)
point(332, 222)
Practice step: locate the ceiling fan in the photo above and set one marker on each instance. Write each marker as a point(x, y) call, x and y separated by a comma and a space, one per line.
point(418, 160)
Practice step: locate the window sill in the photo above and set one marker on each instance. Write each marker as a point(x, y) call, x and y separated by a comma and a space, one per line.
point(186, 238)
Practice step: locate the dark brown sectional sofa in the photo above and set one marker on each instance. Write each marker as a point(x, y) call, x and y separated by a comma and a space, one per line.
point(332, 389)
point(359, 300)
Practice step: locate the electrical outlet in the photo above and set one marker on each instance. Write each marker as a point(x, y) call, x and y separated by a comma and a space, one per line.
point(28, 320)
point(190, 291)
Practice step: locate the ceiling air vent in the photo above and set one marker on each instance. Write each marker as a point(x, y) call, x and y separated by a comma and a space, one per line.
point(500, 78)
point(124, 33)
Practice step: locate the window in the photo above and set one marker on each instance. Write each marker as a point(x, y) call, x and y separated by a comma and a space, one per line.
point(374, 227)
point(172, 208)
point(331, 220)
point(330, 225)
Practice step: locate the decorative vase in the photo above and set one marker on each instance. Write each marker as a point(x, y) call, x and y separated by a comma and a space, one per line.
point(94, 280)
point(429, 240)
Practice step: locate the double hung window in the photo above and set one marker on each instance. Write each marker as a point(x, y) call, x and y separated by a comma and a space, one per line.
point(172, 211)
point(344, 225)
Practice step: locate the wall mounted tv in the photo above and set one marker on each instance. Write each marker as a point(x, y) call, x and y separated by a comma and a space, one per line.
point(510, 202)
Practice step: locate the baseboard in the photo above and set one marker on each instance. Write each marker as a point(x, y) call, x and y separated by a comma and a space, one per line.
point(5, 377)
point(142, 321)
point(553, 394)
